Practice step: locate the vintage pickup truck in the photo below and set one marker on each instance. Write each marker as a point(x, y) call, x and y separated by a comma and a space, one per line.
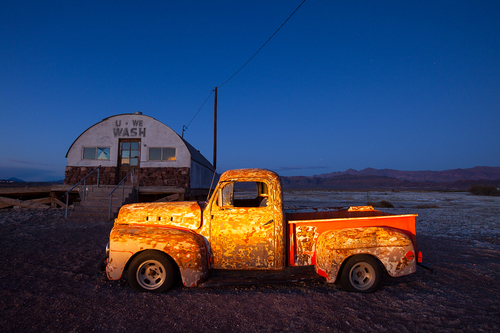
point(243, 228)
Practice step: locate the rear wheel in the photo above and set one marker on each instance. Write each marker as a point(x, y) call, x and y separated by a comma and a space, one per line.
point(361, 273)
point(150, 271)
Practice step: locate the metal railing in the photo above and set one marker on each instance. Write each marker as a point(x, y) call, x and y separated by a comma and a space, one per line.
point(123, 192)
point(84, 180)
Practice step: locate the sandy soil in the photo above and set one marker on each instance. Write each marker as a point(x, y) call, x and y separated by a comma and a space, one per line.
point(48, 281)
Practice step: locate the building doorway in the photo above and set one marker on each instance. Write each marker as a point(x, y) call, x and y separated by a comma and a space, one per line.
point(128, 158)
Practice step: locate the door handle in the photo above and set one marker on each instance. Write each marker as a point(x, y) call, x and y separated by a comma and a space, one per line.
point(268, 222)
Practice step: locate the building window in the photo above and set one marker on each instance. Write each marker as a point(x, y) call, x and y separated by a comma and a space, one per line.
point(95, 153)
point(162, 154)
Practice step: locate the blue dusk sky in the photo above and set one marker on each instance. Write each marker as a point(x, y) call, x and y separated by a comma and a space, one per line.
point(407, 85)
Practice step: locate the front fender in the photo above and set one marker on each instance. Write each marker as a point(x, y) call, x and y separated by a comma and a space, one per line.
point(392, 248)
point(185, 247)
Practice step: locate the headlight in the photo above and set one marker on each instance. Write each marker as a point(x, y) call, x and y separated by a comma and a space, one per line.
point(107, 250)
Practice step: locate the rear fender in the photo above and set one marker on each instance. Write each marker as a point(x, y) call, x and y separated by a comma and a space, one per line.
point(186, 248)
point(392, 248)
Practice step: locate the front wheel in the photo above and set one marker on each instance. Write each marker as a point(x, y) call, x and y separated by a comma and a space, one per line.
point(150, 271)
point(361, 273)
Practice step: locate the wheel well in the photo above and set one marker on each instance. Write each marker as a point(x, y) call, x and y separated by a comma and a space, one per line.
point(384, 271)
point(172, 261)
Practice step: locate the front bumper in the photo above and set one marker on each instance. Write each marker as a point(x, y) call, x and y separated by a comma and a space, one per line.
point(103, 261)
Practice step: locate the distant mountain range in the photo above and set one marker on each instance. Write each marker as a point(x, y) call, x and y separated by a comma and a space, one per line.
point(384, 179)
point(18, 182)
point(12, 180)
point(366, 179)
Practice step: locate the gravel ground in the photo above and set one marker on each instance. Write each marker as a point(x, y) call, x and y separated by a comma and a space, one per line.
point(48, 281)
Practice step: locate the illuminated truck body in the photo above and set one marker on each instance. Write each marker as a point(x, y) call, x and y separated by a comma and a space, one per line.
point(243, 228)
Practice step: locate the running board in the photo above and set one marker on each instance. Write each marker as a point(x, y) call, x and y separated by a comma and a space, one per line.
point(219, 277)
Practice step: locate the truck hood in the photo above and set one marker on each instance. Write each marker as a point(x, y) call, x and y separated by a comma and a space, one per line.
point(177, 214)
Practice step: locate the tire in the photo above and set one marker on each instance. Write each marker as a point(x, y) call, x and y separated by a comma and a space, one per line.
point(150, 271)
point(361, 273)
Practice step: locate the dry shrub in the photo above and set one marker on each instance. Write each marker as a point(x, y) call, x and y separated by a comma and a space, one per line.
point(380, 204)
point(484, 190)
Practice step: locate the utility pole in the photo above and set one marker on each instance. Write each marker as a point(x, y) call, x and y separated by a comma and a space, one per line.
point(215, 130)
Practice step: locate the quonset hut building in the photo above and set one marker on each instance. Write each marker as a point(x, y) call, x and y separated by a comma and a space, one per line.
point(123, 142)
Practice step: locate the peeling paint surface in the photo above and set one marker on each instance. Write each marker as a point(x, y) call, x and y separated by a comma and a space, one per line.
point(179, 214)
point(343, 232)
point(234, 232)
point(386, 244)
point(185, 247)
point(201, 236)
point(247, 237)
point(306, 244)
point(242, 238)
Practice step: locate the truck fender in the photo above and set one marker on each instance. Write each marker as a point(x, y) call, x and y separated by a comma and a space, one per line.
point(391, 247)
point(186, 248)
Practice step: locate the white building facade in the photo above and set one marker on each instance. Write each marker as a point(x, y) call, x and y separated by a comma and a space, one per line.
point(123, 142)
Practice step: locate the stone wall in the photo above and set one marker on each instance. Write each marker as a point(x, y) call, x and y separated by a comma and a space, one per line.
point(147, 176)
point(73, 174)
point(164, 177)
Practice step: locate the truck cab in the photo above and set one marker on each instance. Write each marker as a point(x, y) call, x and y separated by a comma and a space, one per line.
point(244, 221)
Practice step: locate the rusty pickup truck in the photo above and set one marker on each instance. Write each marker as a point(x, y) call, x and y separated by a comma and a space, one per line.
point(243, 229)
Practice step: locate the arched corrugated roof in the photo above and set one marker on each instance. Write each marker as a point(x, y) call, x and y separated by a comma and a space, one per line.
point(195, 154)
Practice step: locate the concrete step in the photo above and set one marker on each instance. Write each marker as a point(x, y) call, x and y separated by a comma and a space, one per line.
point(96, 204)
point(101, 203)
point(99, 195)
point(114, 208)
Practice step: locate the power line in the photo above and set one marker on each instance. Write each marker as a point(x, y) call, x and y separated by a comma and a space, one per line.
point(267, 41)
point(263, 44)
point(184, 127)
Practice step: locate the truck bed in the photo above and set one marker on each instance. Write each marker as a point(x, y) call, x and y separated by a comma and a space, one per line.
point(306, 225)
point(350, 217)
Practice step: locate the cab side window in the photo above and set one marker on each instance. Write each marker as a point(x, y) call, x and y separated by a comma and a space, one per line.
point(244, 194)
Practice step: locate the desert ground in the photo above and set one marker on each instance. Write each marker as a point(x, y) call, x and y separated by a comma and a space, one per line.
point(48, 280)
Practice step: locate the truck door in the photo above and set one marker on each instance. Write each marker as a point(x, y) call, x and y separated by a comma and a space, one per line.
point(242, 227)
